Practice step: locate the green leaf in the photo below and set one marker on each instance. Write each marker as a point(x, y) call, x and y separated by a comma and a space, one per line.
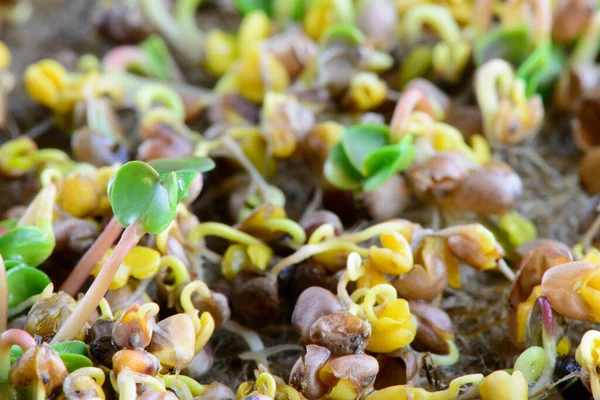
point(510, 44)
point(29, 244)
point(72, 347)
point(339, 171)
point(285, 11)
point(247, 6)
point(161, 210)
point(167, 165)
point(75, 361)
point(13, 263)
point(343, 32)
point(158, 56)
point(132, 190)
point(361, 140)
point(9, 223)
point(24, 282)
point(387, 161)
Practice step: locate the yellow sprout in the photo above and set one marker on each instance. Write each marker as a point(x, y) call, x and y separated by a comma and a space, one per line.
point(372, 277)
point(342, 389)
point(48, 83)
point(5, 57)
point(220, 51)
point(234, 260)
point(394, 257)
point(500, 385)
point(141, 263)
point(255, 27)
point(588, 356)
point(393, 327)
point(259, 72)
point(405, 392)
point(523, 311)
point(16, 156)
point(320, 16)
point(366, 92)
point(78, 195)
point(590, 291)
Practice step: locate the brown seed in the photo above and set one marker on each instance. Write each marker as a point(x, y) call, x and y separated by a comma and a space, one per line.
point(132, 330)
point(388, 200)
point(230, 108)
point(586, 122)
point(571, 18)
point(97, 149)
point(313, 303)
point(293, 49)
point(103, 350)
point(440, 175)
point(47, 316)
point(217, 306)
point(400, 367)
point(40, 363)
point(216, 391)
point(467, 246)
point(359, 369)
point(151, 394)
point(317, 144)
point(429, 276)
point(255, 301)
point(160, 140)
point(320, 217)
point(100, 328)
point(74, 234)
point(122, 23)
point(492, 189)
point(305, 276)
point(341, 332)
point(173, 343)
point(434, 328)
point(137, 361)
point(81, 387)
point(558, 285)
point(304, 376)
point(588, 171)
point(467, 119)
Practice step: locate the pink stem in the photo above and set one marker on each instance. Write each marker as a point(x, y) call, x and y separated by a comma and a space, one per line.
point(9, 338)
point(84, 267)
point(3, 296)
point(412, 99)
point(92, 298)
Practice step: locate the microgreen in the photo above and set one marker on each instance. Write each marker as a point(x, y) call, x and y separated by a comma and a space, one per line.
point(73, 353)
point(538, 65)
point(365, 158)
point(24, 282)
point(248, 6)
point(143, 200)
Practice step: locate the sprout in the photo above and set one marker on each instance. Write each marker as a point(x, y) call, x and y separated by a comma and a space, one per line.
point(502, 386)
point(144, 199)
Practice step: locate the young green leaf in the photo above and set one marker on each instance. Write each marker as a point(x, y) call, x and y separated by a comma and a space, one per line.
point(247, 6)
point(29, 244)
point(158, 56)
point(23, 283)
point(339, 170)
point(387, 161)
point(73, 353)
point(361, 140)
point(166, 165)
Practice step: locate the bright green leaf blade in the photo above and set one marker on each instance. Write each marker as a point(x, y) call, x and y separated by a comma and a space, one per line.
point(132, 190)
point(361, 140)
point(14, 263)
point(161, 210)
point(166, 165)
point(72, 347)
point(385, 162)
point(158, 56)
point(9, 223)
point(510, 44)
point(339, 171)
point(24, 282)
point(75, 361)
point(184, 179)
point(29, 244)
point(247, 6)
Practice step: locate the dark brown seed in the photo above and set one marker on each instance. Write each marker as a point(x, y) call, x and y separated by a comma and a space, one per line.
point(100, 328)
point(320, 217)
point(74, 234)
point(255, 301)
point(342, 333)
point(313, 303)
point(122, 23)
point(388, 200)
point(400, 367)
point(588, 171)
point(585, 125)
point(305, 276)
point(103, 350)
point(434, 327)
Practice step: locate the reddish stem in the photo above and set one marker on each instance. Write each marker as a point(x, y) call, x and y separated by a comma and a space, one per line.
point(92, 298)
point(9, 338)
point(84, 267)
point(412, 99)
point(3, 296)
